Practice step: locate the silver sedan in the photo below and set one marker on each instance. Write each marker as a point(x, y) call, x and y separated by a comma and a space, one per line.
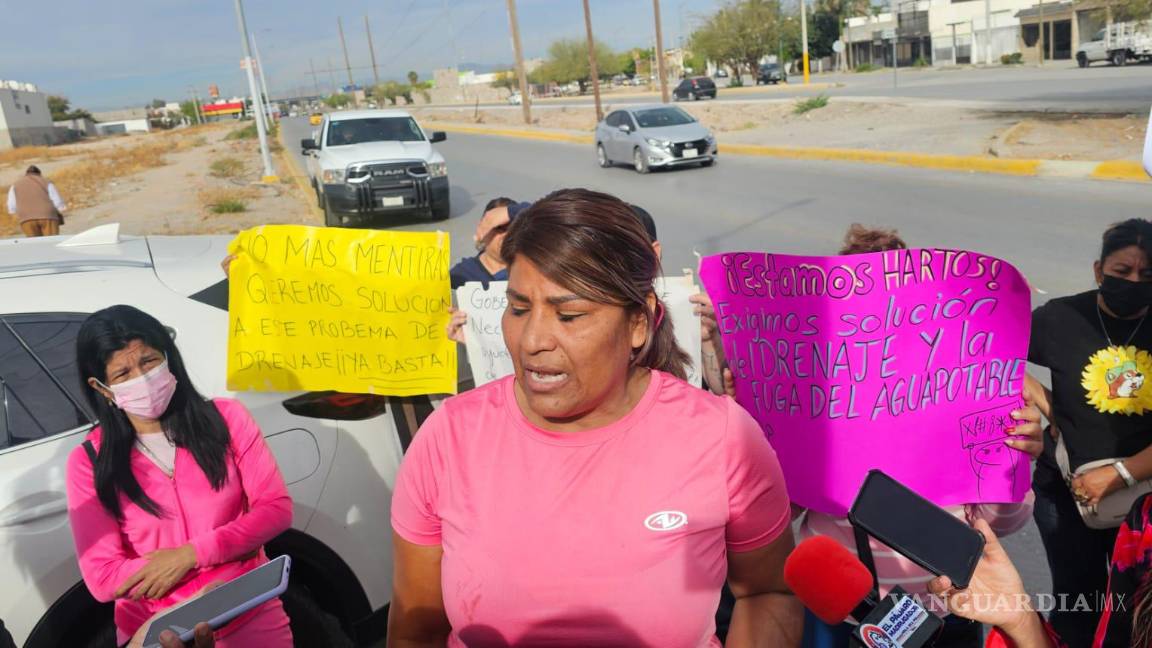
point(653, 136)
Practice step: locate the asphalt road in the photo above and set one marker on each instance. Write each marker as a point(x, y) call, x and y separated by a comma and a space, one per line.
point(1048, 228)
point(1099, 88)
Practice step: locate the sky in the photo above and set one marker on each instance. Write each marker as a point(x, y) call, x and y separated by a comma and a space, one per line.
point(124, 53)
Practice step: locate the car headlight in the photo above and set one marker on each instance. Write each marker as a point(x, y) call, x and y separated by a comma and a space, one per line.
point(711, 139)
point(658, 143)
point(333, 176)
point(438, 169)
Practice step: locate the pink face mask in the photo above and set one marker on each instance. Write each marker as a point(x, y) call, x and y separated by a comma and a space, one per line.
point(146, 396)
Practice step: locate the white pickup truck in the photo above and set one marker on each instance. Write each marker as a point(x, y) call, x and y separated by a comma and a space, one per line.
point(371, 164)
point(1118, 44)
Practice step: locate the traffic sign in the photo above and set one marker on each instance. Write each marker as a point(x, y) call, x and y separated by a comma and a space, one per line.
point(838, 46)
point(888, 34)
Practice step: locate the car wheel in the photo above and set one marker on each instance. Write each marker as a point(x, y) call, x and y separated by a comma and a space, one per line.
point(319, 196)
point(441, 211)
point(602, 157)
point(312, 625)
point(1082, 60)
point(1120, 58)
point(639, 162)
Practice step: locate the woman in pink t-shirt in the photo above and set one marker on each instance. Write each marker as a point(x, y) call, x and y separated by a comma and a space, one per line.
point(593, 498)
point(172, 492)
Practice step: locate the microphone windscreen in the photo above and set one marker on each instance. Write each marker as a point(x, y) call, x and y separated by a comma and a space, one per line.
point(827, 578)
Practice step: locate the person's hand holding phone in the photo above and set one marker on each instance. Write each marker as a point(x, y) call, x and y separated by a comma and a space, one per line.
point(995, 595)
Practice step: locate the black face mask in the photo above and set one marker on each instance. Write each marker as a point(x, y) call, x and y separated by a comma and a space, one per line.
point(1125, 298)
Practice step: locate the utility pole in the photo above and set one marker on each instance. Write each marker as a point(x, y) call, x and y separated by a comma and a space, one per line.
point(525, 100)
point(592, 61)
point(660, 54)
point(269, 173)
point(804, 37)
point(372, 52)
point(987, 32)
point(263, 83)
point(1041, 41)
point(315, 81)
point(347, 63)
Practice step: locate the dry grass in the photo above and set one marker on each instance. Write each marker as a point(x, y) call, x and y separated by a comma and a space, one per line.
point(225, 201)
point(227, 167)
point(33, 154)
point(81, 182)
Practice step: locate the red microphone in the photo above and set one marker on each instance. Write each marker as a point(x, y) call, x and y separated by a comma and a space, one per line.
point(833, 584)
point(830, 580)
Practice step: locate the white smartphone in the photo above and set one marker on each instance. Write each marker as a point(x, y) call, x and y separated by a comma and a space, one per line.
point(223, 604)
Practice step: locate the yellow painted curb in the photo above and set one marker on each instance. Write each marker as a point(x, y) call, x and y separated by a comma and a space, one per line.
point(1129, 170)
point(896, 158)
point(514, 132)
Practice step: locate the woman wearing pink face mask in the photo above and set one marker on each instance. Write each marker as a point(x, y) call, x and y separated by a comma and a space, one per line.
point(172, 491)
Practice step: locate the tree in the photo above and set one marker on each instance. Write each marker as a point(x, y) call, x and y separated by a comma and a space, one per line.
point(413, 78)
point(188, 109)
point(568, 61)
point(740, 34)
point(59, 107)
point(1126, 10)
point(506, 79)
point(337, 100)
point(157, 104)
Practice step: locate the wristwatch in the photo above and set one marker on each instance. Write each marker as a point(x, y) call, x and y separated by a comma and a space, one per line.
point(1124, 474)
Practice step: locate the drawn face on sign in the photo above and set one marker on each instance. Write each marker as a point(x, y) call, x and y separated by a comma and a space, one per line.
point(572, 355)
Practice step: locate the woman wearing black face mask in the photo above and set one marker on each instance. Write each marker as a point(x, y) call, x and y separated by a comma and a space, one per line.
point(1097, 346)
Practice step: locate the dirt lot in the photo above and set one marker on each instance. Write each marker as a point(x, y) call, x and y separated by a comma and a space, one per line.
point(188, 181)
point(879, 126)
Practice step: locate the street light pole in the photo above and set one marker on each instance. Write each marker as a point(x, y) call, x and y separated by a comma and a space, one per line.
point(804, 36)
point(267, 97)
point(525, 101)
point(269, 173)
point(987, 32)
point(660, 54)
point(592, 61)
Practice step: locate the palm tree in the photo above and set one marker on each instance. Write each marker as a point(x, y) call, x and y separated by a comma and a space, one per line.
point(413, 78)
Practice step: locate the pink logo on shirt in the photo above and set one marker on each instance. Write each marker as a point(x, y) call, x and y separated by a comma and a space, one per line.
point(665, 521)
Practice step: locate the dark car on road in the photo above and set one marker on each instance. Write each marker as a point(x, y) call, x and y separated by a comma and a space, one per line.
point(771, 73)
point(694, 88)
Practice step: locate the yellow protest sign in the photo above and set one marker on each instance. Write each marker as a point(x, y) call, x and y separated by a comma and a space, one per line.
point(359, 311)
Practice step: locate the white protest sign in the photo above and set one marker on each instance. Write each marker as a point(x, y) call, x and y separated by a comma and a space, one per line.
point(1148, 146)
point(484, 337)
point(674, 292)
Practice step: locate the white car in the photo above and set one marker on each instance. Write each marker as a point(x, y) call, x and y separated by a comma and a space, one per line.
point(515, 99)
point(373, 164)
point(339, 453)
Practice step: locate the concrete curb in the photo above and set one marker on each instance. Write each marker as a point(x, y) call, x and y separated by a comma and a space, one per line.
point(1121, 170)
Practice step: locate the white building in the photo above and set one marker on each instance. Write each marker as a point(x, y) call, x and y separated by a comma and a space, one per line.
point(24, 116)
point(973, 31)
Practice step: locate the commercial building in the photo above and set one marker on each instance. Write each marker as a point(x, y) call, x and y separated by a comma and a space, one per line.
point(24, 116)
point(963, 32)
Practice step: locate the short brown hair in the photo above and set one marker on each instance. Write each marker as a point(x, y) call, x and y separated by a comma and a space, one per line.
point(592, 244)
point(860, 239)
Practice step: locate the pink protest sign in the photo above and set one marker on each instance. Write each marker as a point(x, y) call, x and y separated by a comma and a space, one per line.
point(910, 361)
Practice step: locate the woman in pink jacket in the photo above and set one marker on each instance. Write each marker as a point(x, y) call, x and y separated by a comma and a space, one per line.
point(172, 491)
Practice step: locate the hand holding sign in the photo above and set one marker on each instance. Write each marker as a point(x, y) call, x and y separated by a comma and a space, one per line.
point(910, 361)
point(356, 311)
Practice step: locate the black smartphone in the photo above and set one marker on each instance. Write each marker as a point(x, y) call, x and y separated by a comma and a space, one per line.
point(916, 528)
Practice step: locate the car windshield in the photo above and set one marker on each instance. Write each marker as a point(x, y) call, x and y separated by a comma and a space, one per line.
point(659, 117)
point(346, 132)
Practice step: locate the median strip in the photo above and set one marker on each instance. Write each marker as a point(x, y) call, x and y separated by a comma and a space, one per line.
point(1123, 170)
